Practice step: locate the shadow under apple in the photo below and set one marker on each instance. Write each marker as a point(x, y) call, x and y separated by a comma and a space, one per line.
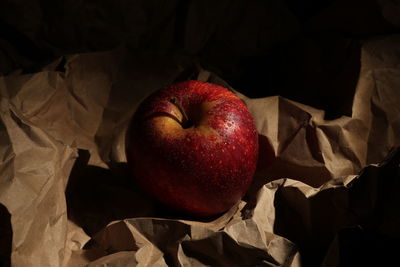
point(96, 196)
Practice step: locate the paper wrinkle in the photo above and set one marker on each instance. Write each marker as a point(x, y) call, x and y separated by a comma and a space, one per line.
point(123, 258)
point(38, 186)
point(145, 230)
point(76, 236)
point(267, 125)
point(308, 191)
point(248, 233)
point(185, 260)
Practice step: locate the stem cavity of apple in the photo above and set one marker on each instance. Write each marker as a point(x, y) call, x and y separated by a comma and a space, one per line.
point(186, 123)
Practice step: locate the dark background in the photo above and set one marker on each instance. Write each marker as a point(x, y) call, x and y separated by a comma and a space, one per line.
point(305, 50)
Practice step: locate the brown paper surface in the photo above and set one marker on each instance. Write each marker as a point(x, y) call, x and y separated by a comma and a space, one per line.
point(67, 196)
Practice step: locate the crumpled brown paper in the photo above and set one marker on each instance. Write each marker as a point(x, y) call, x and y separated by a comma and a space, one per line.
point(65, 185)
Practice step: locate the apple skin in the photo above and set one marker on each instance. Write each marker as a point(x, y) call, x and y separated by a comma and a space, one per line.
point(193, 146)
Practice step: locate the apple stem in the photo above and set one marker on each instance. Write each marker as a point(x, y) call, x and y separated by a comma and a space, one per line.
point(185, 122)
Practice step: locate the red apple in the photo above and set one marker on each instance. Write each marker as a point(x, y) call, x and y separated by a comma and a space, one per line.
point(193, 146)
